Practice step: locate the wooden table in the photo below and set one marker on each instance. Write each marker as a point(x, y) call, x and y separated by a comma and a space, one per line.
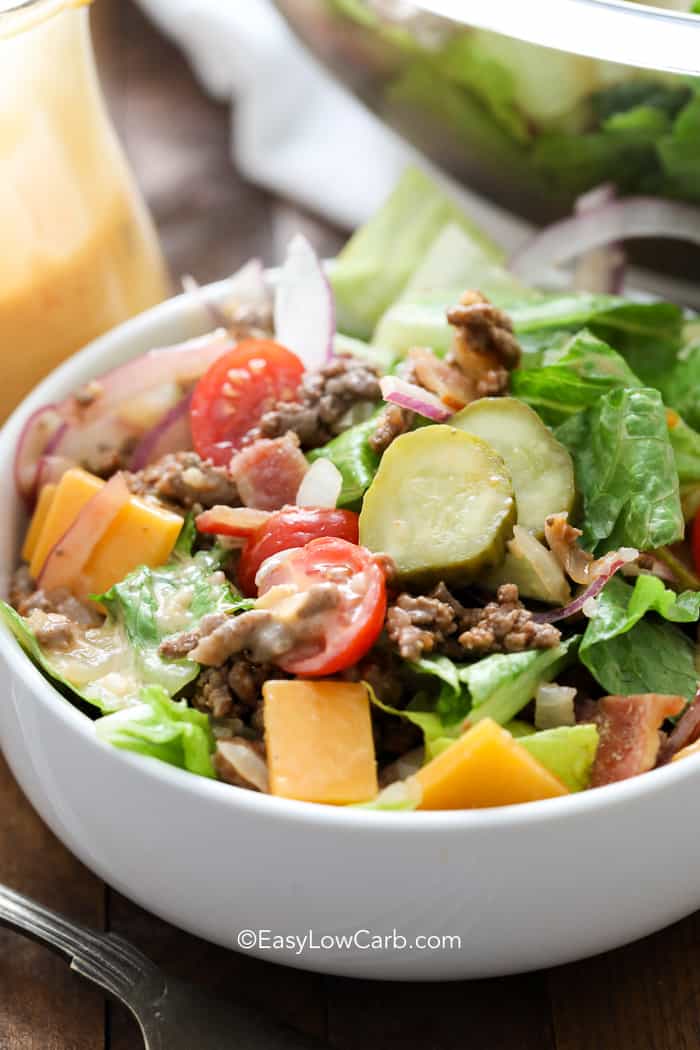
point(644, 997)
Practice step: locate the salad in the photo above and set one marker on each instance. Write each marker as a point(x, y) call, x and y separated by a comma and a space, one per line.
point(530, 126)
point(451, 565)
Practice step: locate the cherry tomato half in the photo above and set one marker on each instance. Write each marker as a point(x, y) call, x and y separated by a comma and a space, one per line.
point(234, 393)
point(352, 627)
point(695, 541)
point(292, 527)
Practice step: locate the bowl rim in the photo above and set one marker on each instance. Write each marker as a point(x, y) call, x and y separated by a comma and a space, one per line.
point(653, 38)
point(79, 368)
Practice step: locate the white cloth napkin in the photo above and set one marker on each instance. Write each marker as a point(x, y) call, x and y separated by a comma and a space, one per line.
point(296, 131)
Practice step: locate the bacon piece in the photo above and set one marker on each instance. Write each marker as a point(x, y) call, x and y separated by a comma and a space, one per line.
point(452, 387)
point(268, 473)
point(686, 732)
point(241, 522)
point(629, 734)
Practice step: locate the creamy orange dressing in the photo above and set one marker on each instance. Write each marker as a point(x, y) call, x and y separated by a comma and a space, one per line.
point(78, 253)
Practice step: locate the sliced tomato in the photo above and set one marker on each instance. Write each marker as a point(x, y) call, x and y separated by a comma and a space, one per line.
point(236, 391)
point(352, 627)
point(695, 539)
point(292, 527)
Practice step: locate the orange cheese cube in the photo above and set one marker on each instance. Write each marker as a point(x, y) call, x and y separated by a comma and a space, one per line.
point(319, 741)
point(485, 767)
point(141, 533)
point(37, 523)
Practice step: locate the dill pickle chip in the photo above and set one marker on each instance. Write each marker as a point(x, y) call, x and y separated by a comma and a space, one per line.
point(441, 505)
point(540, 466)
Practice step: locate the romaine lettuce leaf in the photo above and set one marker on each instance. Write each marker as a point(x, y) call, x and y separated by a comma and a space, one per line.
point(500, 686)
point(568, 752)
point(625, 471)
point(97, 671)
point(109, 664)
point(377, 262)
point(162, 728)
point(572, 378)
point(497, 686)
point(627, 653)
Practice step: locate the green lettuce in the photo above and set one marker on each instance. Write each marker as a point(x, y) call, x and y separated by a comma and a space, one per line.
point(109, 664)
point(500, 686)
point(572, 378)
point(377, 262)
point(88, 671)
point(567, 751)
point(628, 653)
point(354, 457)
point(162, 728)
point(625, 471)
point(151, 605)
point(497, 686)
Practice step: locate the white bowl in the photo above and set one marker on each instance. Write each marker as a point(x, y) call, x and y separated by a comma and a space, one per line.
point(517, 888)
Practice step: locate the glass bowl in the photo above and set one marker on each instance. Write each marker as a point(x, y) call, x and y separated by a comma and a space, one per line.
point(529, 104)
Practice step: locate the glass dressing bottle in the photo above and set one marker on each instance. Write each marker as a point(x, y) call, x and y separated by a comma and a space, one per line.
point(78, 251)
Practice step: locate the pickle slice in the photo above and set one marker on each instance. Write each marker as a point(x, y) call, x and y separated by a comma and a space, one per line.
point(441, 505)
point(540, 466)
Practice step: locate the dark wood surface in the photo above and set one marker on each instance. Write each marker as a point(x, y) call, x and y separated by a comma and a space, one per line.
point(643, 997)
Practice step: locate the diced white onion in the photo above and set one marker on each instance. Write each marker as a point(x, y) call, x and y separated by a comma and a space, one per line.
point(554, 706)
point(321, 485)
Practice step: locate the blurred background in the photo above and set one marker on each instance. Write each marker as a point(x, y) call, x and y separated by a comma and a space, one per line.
point(177, 139)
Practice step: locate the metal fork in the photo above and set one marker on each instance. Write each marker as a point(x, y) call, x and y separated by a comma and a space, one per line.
point(171, 1015)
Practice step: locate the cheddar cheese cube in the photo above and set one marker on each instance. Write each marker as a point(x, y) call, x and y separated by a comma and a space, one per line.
point(140, 534)
point(319, 741)
point(485, 767)
point(37, 523)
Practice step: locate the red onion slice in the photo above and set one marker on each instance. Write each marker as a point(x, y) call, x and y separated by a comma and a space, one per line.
point(38, 433)
point(172, 434)
point(603, 269)
point(182, 364)
point(553, 615)
point(617, 220)
point(304, 308)
point(68, 556)
point(414, 398)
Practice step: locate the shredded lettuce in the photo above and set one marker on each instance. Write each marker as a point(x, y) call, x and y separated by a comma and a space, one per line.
point(109, 664)
point(568, 752)
point(150, 605)
point(162, 728)
point(625, 471)
point(376, 264)
point(628, 653)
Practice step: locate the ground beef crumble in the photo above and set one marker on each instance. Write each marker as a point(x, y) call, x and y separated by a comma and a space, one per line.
point(438, 623)
point(391, 423)
point(484, 345)
point(184, 482)
point(323, 401)
point(25, 597)
point(234, 690)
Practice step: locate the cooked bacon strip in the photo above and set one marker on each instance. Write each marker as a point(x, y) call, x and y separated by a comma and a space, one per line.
point(629, 734)
point(268, 473)
point(687, 731)
point(577, 563)
point(446, 381)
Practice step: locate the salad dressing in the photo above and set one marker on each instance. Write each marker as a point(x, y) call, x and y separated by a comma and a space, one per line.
point(79, 253)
